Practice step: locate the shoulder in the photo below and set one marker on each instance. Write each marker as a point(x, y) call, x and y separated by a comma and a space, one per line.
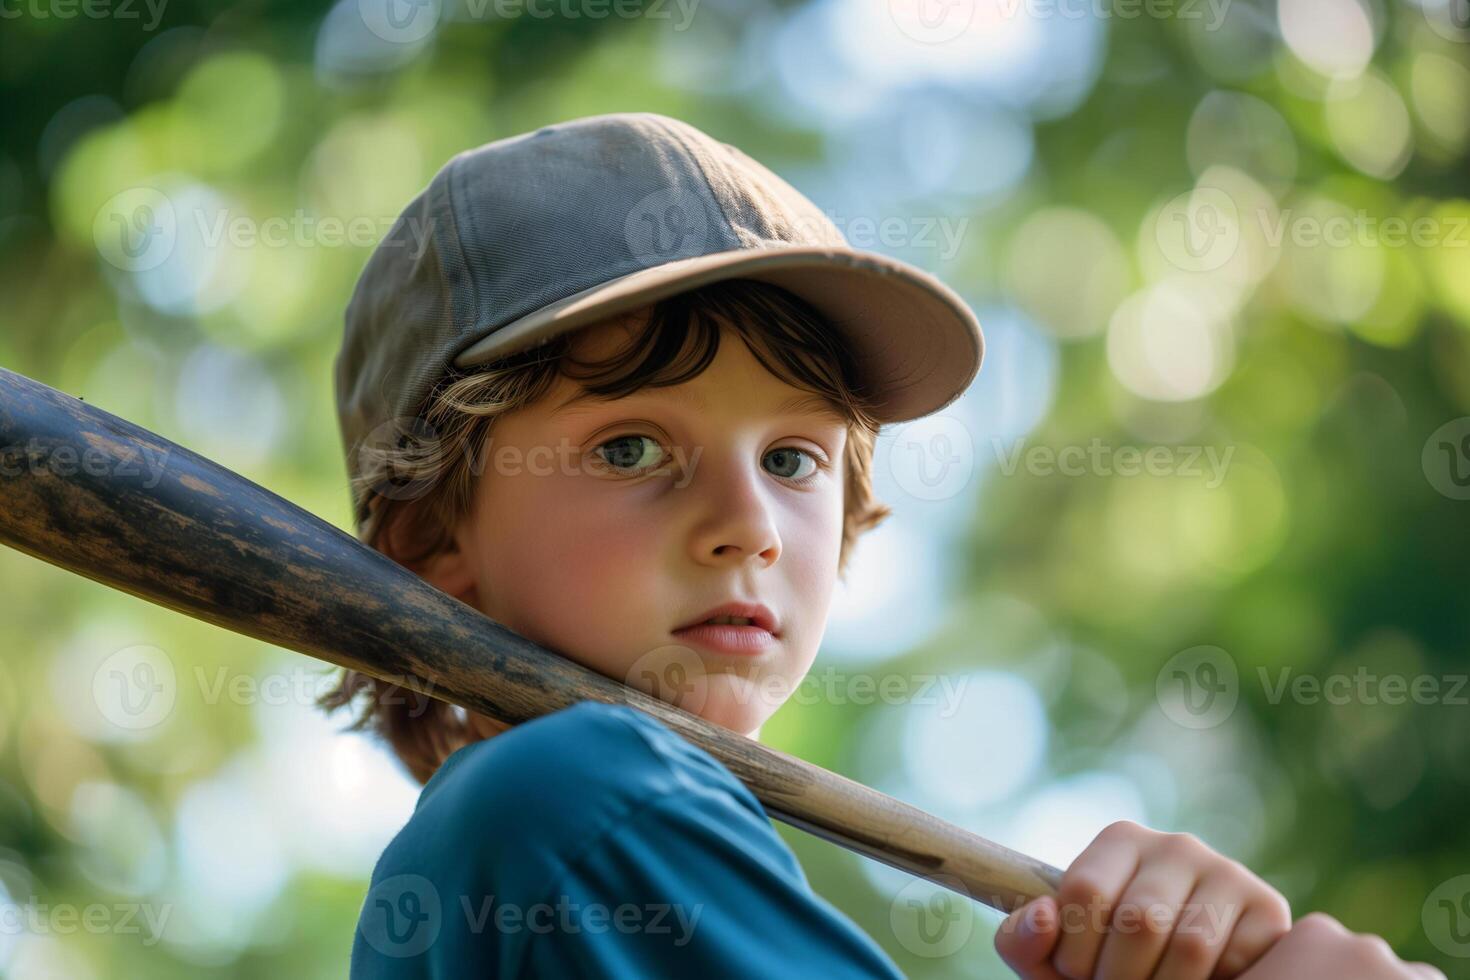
point(588, 749)
point(528, 800)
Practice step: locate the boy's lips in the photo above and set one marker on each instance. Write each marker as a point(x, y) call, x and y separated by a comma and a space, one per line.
point(760, 635)
point(759, 616)
point(728, 637)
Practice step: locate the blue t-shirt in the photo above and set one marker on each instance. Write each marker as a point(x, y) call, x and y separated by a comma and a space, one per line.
point(594, 842)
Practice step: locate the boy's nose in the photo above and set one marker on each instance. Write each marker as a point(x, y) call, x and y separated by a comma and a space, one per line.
point(737, 520)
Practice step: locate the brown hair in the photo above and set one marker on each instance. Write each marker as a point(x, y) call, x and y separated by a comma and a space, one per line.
point(416, 489)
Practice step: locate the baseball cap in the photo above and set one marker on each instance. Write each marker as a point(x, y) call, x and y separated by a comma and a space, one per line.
point(522, 239)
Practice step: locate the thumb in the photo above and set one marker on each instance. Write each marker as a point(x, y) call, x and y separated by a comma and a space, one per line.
point(1026, 938)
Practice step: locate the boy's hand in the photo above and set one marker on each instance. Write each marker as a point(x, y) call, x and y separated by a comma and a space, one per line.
point(1319, 946)
point(1137, 904)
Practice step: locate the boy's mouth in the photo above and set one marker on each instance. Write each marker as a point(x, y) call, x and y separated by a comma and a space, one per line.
point(736, 615)
point(728, 637)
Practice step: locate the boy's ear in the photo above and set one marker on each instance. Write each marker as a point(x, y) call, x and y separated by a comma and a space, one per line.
point(449, 569)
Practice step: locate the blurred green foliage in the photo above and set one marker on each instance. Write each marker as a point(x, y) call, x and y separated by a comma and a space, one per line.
point(1329, 547)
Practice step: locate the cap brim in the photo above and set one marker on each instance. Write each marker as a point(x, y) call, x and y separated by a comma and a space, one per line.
point(916, 343)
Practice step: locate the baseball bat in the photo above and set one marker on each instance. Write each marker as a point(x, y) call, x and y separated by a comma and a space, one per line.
point(81, 489)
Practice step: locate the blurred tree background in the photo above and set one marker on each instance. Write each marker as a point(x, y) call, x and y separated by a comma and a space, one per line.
point(1193, 551)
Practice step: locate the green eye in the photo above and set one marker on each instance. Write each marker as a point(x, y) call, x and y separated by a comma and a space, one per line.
point(630, 453)
point(789, 458)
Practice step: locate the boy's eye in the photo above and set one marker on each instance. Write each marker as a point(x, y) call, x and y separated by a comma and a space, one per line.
point(791, 458)
point(639, 453)
point(630, 453)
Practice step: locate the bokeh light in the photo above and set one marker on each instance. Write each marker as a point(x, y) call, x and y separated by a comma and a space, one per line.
point(1222, 264)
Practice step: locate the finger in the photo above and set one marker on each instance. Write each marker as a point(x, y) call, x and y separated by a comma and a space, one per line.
point(1205, 924)
point(1423, 971)
point(1146, 916)
point(1265, 920)
point(1089, 889)
point(1026, 938)
point(1311, 945)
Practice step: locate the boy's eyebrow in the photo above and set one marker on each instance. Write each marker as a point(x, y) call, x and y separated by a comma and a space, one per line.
point(804, 404)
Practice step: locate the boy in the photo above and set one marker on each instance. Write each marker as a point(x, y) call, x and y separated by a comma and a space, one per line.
point(673, 369)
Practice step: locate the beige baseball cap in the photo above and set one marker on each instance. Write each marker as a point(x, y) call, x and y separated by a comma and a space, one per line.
point(525, 238)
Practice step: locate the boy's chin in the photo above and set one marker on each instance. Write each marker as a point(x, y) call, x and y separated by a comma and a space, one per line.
point(738, 711)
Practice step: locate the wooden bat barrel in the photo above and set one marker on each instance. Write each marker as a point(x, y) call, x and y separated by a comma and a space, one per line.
point(104, 498)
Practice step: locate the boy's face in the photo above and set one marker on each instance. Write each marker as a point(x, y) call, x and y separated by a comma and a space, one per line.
point(602, 555)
